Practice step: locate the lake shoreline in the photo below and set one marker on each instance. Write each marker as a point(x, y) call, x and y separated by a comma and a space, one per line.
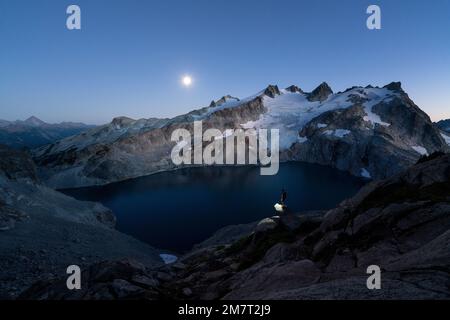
point(177, 209)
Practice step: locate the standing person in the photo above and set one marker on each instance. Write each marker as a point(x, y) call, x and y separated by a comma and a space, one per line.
point(283, 197)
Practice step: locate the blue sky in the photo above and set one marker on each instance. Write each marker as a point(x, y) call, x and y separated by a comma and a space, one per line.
point(130, 54)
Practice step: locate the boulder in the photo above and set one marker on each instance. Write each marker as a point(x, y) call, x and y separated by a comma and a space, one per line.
point(267, 224)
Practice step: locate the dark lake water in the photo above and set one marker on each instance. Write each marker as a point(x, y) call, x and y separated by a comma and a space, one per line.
point(175, 210)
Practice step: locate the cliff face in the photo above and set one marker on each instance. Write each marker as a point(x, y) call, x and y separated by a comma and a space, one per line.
point(401, 224)
point(376, 145)
point(370, 132)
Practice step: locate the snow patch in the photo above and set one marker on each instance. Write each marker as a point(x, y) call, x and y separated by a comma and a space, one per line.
point(446, 138)
point(375, 96)
point(421, 150)
point(302, 139)
point(168, 258)
point(340, 133)
point(321, 125)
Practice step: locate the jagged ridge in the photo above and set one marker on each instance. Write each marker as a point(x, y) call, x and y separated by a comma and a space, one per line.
point(372, 132)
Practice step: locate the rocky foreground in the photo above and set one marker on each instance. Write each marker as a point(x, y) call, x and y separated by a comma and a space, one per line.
point(401, 224)
point(43, 231)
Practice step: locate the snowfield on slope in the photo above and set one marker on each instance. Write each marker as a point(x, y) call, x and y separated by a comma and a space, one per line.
point(290, 112)
point(446, 138)
point(420, 150)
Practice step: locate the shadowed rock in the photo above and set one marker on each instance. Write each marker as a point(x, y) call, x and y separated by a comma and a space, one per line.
point(43, 231)
point(369, 132)
point(320, 93)
point(125, 279)
point(272, 91)
point(394, 86)
point(294, 89)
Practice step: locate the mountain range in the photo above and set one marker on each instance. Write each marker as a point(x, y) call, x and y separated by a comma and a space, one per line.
point(372, 132)
point(33, 132)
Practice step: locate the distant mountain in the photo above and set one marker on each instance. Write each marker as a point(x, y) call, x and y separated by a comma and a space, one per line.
point(32, 122)
point(4, 123)
point(444, 125)
point(34, 132)
point(370, 132)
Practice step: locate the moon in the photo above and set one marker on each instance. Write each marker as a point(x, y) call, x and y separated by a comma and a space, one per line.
point(187, 81)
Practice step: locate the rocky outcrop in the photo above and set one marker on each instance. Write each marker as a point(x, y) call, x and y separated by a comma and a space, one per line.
point(227, 235)
point(294, 89)
point(128, 149)
point(393, 137)
point(9, 217)
point(43, 231)
point(320, 93)
point(444, 125)
point(222, 100)
point(122, 122)
point(225, 99)
point(125, 279)
point(401, 224)
point(22, 191)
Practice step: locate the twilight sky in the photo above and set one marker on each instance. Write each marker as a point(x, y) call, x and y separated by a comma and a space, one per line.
point(130, 55)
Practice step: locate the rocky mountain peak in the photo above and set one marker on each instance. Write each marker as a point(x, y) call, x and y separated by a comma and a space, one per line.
point(16, 164)
point(34, 121)
point(222, 100)
point(320, 93)
point(121, 121)
point(294, 89)
point(272, 91)
point(394, 86)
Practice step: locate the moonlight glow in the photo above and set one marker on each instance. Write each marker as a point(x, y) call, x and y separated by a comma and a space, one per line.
point(187, 81)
